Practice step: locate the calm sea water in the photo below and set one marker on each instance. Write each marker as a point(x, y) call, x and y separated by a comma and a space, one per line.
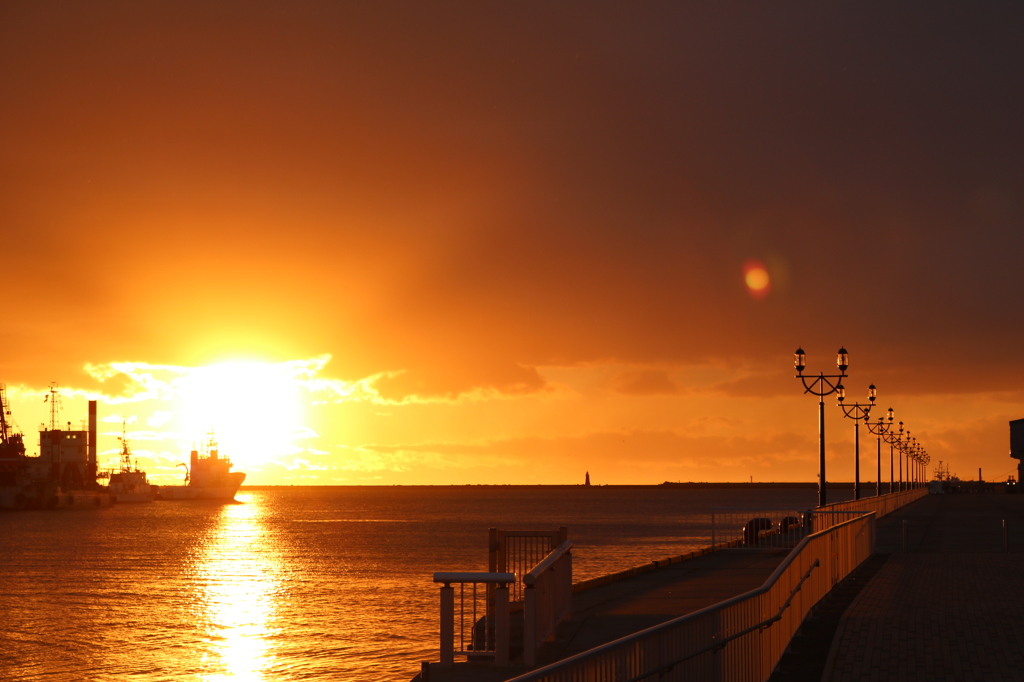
point(297, 583)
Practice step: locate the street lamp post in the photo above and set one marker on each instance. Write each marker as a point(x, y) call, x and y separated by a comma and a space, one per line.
point(920, 460)
point(911, 451)
point(891, 437)
point(895, 441)
point(903, 445)
point(856, 412)
point(880, 428)
point(904, 448)
point(821, 386)
point(911, 457)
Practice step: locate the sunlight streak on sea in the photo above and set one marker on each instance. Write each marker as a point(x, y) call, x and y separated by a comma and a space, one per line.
point(236, 589)
point(296, 583)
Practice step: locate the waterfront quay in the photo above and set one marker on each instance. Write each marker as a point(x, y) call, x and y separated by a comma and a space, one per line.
point(939, 598)
point(946, 605)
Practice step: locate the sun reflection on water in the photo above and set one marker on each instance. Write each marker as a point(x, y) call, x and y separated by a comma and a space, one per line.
point(237, 576)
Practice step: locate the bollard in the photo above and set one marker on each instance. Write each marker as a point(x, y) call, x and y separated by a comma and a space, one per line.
point(904, 535)
point(1006, 538)
point(424, 671)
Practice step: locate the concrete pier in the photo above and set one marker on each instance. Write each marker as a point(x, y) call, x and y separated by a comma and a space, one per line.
point(940, 600)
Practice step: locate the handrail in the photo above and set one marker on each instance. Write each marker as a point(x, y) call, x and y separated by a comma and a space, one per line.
point(517, 551)
point(638, 637)
point(720, 644)
point(469, 577)
point(879, 503)
point(547, 599)
point(553, 556)
point(882, 504)
point(500, 581)
point(546, 595)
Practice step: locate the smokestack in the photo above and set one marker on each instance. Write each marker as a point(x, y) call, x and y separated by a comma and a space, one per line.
point(91, 458)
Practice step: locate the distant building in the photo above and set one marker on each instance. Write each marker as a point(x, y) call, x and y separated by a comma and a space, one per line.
point(588, 476)
point(1017, 446)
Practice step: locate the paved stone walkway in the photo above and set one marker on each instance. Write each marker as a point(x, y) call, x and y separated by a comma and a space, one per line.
point(949, 608)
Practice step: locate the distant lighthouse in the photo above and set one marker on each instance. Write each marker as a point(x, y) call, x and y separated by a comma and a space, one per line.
point(588, 479)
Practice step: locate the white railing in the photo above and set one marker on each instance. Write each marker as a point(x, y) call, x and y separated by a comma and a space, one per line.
point(740, 639)
point(467, 632)
point(881, 504)
point(547, 599)
point(517, 551)
point(541, 577)
point(755, 527)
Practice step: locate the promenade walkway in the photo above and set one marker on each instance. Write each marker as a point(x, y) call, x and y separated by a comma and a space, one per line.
point(606, 613)
point(951, 607)
point(948, 607)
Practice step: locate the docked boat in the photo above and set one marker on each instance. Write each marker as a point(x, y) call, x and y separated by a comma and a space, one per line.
point(12, 458)
point(129, 484)
point(208, 478)
point(62, 475)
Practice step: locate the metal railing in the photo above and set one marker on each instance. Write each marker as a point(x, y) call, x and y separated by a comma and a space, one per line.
point(740, 639)
point(548, 599)
point(517, 551)
point(755, 527)
point(541, 578)
point(473, 642)
point(837, 512)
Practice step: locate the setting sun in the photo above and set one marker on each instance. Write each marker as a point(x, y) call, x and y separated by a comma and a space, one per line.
point(254, 409)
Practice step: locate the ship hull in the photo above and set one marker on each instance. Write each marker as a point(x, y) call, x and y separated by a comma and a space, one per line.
point(225, 491)
point(19, 497)
point(12, 497)
point(130, 486)
point(122, 498)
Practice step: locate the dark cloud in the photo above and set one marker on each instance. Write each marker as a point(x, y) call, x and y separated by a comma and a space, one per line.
point(463, 191)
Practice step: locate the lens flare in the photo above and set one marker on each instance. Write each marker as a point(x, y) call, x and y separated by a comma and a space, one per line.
point(755, 274)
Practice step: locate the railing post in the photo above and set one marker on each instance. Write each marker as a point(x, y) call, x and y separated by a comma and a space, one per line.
point(567, 585)
point(530, 625)
point(447, 625)
point(493, 549)
point(501, 634)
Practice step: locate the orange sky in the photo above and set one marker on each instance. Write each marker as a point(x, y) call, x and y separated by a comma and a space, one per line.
point(510, 243)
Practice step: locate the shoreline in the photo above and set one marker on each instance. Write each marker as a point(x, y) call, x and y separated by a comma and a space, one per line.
point(839, 485)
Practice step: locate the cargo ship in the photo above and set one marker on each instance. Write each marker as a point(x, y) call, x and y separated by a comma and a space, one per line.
point(63, 474)
point(209, 477)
